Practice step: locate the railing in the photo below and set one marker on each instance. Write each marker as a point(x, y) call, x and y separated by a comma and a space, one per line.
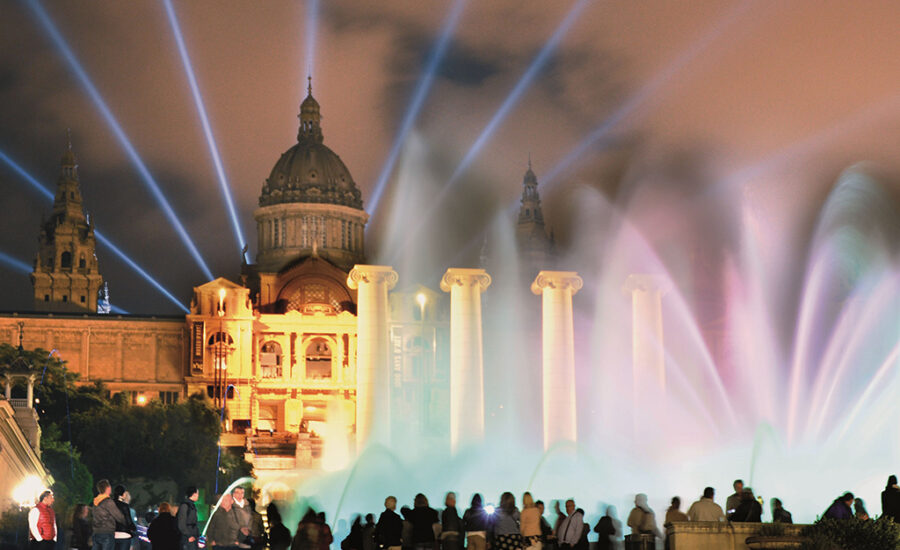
point(18, 403)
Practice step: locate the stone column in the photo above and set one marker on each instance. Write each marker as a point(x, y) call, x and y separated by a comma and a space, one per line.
point(466, 355)
point(558, 338)
point(7, 383)
point(647, 349)
point(29, 396)
point(373, 382)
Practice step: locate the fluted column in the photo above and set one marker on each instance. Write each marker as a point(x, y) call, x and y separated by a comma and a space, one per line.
point(647, 349)
point(373, 382)
point(466, 355)
point(558, 336)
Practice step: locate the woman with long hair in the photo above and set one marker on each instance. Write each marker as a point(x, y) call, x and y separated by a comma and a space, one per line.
point(506, 524)
point(530, 523)
point(451, 524)
point(81, 528)
point(475, 524)
point(422, 517)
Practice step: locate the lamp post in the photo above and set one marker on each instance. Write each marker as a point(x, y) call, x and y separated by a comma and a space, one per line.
point(219, 375)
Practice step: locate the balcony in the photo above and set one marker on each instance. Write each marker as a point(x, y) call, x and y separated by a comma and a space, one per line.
point(19, 403)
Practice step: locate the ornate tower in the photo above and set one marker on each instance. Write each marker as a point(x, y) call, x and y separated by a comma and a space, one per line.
point(309, 205)
point(66, 276)
point(535, 248)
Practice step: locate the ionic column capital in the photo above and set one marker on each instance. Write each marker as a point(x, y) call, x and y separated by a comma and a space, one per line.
point(560, 280)
point(462, 276)
point(647, 282)
point(372, 274)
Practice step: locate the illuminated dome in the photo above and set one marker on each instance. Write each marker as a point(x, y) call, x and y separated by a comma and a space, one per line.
point(310, 172)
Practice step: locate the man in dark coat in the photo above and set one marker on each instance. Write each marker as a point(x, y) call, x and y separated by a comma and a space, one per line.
point(749, 510)
point(187, 519)
point(389, 529)
point(890, 500)
point(841, 508)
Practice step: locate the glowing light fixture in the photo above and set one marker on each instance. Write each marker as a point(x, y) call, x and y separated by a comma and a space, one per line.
point(100, 237)
point(27, 492)
point(141, 399)
point(85, 81)
point(418, 99)
point(207, 129)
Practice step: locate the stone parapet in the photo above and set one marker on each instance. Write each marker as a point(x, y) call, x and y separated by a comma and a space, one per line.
point(716, 535)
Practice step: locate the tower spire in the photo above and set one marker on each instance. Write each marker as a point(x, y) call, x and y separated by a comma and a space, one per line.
point(310, 117)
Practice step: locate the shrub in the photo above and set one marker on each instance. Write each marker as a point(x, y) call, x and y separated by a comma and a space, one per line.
point(853, 534)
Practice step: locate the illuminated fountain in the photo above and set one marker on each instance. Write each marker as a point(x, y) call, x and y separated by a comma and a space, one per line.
point(797, 401)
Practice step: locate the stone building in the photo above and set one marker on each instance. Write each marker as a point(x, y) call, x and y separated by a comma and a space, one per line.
point(276, 349)
point(66, 276)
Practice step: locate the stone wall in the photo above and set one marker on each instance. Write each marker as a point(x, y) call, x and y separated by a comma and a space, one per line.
point(717, 535)
point(129, 353)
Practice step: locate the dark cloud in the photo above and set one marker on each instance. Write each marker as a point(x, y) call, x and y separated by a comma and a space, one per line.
point(751, 95)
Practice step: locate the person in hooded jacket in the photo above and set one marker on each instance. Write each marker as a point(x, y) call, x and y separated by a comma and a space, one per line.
point(126, 529)
point(106, 515)
point(186, 519)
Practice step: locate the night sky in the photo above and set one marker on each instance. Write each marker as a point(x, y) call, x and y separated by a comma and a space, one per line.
point(789, 94)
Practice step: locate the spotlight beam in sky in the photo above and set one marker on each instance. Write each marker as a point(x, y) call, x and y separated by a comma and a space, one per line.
point(645, 93)
point(418, 99)
point(78, 70)
point(207, 129)
point(537, 64)
point(628, 108)
point(100, 237)
point(312, 25)
point(14, 263)
point(22, 267)
point(517, 92)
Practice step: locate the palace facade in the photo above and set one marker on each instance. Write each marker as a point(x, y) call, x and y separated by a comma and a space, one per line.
point(277, 350)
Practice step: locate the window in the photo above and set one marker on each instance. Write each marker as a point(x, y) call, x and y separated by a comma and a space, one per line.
point(318, 359)
point(220, 337)
point(81, 262)
point(46, 297)
point(213, 391)
point(270, 360)
point(65, 261)
point(65, 298)
point(82, 299)
point(72, 195)
point(276, 233)
point(283, 232)
point(168, 397)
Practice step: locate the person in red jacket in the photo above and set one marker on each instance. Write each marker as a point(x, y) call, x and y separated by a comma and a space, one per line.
point(42, 523)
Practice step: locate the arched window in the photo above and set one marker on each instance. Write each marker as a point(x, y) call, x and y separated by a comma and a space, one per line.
point(81, 262)
point(270, 360)
point(318, 359)
point(65, 260)
point(219, 337)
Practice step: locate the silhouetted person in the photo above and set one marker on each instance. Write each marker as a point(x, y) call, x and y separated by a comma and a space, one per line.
point(325, 536)
point(859, 509)
point(841, 507)
point(126, 530)
point(606, 530)
point(734, 500)
point(749, 510)
point(505, 524)
point(279, 534)
point(476, 524)
point(81, 528)
point(547, 538)
point(307, 535)
point(369, 533)
point(673, 514)
point(186, 517)
point(422, 517)
point(354, 539)
point(706, 508)
point(389, 530)
point(583, 543)
point(163, 530)
point(779, 514)
point(451, 524)
point(642, 520)
point(890, 500)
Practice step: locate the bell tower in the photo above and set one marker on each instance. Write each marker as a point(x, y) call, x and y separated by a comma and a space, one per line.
point(66, 276)
point(535, 247)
